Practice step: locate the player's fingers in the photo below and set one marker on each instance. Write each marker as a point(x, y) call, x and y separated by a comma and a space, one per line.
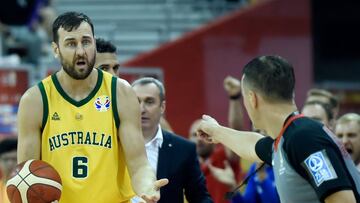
point(160, 183)
point(150, 199)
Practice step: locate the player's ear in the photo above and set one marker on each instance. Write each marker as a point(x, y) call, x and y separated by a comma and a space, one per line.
point(55, 49)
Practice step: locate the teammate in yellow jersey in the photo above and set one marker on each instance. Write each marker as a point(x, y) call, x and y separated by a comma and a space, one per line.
point(86, 123)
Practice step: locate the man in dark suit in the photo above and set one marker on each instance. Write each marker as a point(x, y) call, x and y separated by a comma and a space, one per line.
point(170, 155)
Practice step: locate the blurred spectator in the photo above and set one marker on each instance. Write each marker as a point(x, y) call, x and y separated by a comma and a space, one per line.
point(8, 161)
point(348, 130)
point(318, 111)
point(218, 156)
point(235, 115)
point(325, 97)
point(260, 187)
point(30, 40)
point(203, 149)
point(170, 155)
point(18, 12)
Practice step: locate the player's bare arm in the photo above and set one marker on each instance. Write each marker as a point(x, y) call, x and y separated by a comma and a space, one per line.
point(142, 175)
point(29, 123)
point(344, 196)
point(241, 142)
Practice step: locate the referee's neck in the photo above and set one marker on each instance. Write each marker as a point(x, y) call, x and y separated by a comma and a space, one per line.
point(276, 116)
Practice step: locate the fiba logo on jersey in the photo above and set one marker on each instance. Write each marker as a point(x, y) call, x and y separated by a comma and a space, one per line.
point(102, 103)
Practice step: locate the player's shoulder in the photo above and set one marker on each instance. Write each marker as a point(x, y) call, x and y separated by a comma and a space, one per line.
point(32, 95)
point(123, 83)
point(123, 87)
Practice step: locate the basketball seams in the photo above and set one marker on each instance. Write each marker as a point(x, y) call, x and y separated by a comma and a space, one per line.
point(37, 194)
point(25, 170)
point(25, 181)
point(33, 179)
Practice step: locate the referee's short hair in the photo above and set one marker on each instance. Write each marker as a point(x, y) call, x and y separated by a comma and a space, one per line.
point(272, 76)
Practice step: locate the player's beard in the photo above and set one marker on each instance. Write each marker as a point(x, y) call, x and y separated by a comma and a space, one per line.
point(71, 70)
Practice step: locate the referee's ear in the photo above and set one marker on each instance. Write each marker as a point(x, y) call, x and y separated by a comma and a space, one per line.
point(253, 99)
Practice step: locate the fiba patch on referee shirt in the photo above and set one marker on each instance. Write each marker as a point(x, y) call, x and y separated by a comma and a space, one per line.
point(320, 168)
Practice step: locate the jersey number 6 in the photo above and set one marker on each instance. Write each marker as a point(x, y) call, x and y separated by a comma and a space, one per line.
point(80, 167)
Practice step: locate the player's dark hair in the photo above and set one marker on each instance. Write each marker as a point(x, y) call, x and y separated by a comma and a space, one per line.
point(69, 21)
point(105, 46)
point(272, 76)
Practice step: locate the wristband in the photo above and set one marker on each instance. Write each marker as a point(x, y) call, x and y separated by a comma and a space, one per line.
point(235, 97)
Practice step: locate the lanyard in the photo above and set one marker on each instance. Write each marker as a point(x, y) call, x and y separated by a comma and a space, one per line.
point(288, 122)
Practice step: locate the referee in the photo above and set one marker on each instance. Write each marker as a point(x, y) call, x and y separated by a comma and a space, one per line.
point(310, 165)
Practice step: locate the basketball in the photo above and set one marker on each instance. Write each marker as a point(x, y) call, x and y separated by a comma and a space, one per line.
point(34, 181)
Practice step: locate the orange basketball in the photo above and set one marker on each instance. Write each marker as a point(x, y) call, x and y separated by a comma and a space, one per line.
point(34, 181)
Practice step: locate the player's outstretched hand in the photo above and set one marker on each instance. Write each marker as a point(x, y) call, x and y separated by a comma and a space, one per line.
point(153, 195)
point(205, 130)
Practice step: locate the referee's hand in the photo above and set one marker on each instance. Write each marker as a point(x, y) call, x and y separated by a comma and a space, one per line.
point(205, 130)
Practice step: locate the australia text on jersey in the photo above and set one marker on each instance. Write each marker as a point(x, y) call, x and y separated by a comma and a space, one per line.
point(79, 138)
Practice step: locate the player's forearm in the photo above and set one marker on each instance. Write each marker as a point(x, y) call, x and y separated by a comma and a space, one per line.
point(142, 175)
point(142, 178)
point(241, 142)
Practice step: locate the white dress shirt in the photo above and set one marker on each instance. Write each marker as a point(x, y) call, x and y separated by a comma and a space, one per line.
point(152, 148)
point(152, 152)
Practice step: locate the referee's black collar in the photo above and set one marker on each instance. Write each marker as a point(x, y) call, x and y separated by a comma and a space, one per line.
point(291, 115)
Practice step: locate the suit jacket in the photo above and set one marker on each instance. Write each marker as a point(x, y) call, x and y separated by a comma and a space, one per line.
point(179, 163)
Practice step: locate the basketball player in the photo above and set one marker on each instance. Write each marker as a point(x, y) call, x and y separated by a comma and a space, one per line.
point(86, 123)
point(309, 164)
point(106, 58)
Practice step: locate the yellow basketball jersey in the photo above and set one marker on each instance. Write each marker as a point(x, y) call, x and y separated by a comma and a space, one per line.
point(79, 138)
